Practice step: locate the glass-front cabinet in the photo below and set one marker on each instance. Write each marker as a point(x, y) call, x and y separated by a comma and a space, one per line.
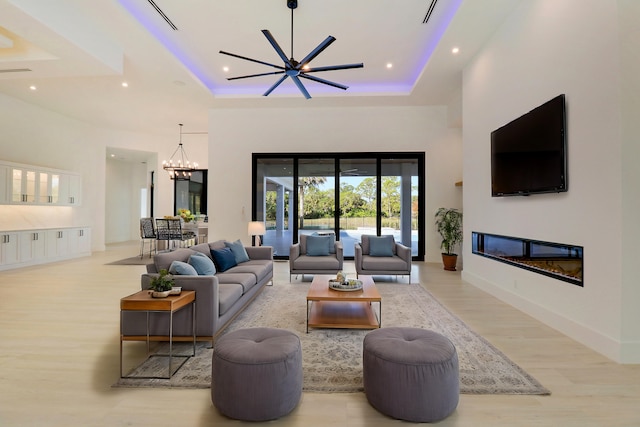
point(23, 184)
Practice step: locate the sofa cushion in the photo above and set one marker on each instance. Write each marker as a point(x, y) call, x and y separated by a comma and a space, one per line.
point(163, 260)
point(305, 262)
point(228, 295)
point(238, 251)
point(392, 263)
point(318, 245)
point(223, 258)
point(182, 269)
point(246, 280)
point(203, 264)
point(202, 248)
point(381, 246)
point(218, 244)
point(260, 268)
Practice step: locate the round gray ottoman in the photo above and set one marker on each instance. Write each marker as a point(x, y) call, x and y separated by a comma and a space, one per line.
point(411, 374)
point(256, 374)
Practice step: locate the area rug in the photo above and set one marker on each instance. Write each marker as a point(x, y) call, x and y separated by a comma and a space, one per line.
point(332, 358)
point(134, 260)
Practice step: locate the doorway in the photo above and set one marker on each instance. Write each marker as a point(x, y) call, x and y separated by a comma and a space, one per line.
point(349, 194)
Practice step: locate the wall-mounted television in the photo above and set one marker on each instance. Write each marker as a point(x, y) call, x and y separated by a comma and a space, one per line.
point(529, 154)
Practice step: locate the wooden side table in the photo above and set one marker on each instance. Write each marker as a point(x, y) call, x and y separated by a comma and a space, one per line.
point(143, 301)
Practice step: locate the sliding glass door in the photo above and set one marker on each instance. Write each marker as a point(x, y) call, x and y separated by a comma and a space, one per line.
point(348, 194)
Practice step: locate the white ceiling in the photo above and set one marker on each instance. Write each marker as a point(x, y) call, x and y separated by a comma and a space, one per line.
point(79, 52)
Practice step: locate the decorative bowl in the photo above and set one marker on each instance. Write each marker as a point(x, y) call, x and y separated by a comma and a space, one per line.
point(175, 290)
point(163, 294)
point(349, 285)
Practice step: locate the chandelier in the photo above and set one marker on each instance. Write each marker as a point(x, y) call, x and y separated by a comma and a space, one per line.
point(181, 167)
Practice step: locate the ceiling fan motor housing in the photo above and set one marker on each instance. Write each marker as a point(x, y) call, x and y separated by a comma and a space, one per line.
point(292, 4)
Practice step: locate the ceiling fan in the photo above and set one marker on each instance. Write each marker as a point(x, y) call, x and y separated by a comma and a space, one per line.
point(293, 68)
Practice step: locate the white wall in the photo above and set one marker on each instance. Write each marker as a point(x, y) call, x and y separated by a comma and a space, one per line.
point(629, 16)
point(237, 133)
point(36, 136)
point(543, 49)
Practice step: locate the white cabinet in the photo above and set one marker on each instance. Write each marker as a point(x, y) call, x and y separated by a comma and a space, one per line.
point(32, 245)
point(57, 243)
point(79, 241)
point(4, 184)
point(9, 248)
point(24, 184)
point(30, 185)
point(48, 188)
point(70, 189)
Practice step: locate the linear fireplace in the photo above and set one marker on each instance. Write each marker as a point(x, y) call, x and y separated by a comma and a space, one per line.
point(558, 260)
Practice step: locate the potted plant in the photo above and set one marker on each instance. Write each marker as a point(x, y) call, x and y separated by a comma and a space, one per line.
point(161, 285)
point(449, 225)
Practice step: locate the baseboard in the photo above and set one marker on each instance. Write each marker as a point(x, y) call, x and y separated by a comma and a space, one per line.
point(605, 345)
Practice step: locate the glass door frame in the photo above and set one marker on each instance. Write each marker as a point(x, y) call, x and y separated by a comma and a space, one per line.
point(379, 157)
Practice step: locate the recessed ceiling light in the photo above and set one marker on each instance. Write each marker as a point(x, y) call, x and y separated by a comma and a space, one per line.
point(33, 87)
point(225, 69)
point(455, 50)
point(125, 84)
point(389, 65)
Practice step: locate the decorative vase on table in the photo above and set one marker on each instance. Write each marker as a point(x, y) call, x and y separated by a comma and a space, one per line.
point(160, 294)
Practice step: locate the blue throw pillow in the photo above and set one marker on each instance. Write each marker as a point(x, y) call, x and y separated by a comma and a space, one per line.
point(238, 251)
point(381, 245)
point(202, 264)
point(332, 240)
point(182, 269)
point(224, 259)
point(318, 245)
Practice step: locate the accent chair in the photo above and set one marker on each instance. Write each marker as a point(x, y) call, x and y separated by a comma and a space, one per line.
point(382, 255)
point(316, 254)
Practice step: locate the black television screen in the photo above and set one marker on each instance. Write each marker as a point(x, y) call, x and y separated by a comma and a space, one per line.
point(529, 154)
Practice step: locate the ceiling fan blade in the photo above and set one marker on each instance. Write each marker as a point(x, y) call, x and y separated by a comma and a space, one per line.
point(315, 52)
point(256, 75)
point(252, 60)
point(333, 67)
point(298, 83)
point(280, 80)
point(277, 47)
point(326, 82)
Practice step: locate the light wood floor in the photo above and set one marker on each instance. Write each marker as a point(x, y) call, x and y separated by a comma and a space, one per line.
point(59, 327)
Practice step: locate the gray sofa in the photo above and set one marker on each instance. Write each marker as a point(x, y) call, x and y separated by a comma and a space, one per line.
point(301, 262)
point(219, 297)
